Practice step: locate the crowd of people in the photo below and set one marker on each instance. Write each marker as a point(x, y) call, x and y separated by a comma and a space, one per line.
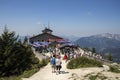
point(56, 58)
point(69, 53)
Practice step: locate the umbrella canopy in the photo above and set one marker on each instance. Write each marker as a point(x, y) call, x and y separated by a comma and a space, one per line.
point(40, 44)
point(37, 44)
point(71, 45)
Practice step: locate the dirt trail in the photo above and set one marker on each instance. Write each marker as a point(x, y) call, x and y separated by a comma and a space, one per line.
point(46, 73)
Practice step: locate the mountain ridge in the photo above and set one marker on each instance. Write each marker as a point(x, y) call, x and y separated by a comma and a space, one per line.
point(103, 43)
point(108, 35)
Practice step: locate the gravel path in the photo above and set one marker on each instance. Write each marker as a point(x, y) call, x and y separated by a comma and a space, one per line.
point(66, 74)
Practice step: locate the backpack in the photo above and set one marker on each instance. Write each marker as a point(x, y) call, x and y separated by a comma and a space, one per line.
point(53, 61)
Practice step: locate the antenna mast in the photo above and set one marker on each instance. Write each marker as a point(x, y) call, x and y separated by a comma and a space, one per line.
point(48, 25)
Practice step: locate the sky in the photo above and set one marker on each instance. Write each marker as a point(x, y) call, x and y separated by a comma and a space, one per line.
point(65, 17)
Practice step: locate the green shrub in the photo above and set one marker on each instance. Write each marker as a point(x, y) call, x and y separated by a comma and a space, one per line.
point(11, 78)
point(16, 57)
point(35, 68)
point(83, 62)
point(97, 77)
point(94, 76)
point(43, 62)
point(74, 76)
point(114, 69)
point(27, 73)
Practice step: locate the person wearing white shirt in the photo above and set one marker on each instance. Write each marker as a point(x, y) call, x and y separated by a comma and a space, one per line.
point(58, 64)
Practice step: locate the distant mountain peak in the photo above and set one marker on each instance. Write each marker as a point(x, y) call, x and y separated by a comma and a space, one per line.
point(103, 43)
point(108, 35)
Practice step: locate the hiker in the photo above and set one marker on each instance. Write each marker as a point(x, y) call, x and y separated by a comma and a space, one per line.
point(53, 63)
point(58, 64)
point(65, 58)
point(71, 55)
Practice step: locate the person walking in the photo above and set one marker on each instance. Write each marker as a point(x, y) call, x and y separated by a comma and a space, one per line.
point(58, 64)
point(53, 63)
point(65, 58)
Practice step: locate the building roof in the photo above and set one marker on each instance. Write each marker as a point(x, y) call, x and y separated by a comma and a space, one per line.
point(45, 37)
point(47, 30)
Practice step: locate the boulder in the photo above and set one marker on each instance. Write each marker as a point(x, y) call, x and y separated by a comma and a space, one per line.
point(106, 68)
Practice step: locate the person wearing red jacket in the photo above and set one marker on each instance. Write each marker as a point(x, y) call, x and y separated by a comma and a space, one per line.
point(65, 58)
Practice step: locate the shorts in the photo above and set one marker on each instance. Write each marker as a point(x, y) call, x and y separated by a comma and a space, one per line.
point(53, 66)
point(58, 67)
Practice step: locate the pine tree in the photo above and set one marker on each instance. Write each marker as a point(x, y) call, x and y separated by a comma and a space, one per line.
point(15, 56)
point(109, 57)
point(93, 50)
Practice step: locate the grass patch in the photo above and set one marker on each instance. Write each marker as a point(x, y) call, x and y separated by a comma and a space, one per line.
point(81, 62)
point(114, 69)
point(97, 76)
point(11, 78)
point(93, 77)
point(74, 76)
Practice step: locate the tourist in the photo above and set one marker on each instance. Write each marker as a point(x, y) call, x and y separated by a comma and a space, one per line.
point(65, 58)
point(53, 63)
point(58, 64)
point(71, 55)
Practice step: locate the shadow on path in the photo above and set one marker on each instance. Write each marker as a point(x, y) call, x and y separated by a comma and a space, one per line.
point(63, 72)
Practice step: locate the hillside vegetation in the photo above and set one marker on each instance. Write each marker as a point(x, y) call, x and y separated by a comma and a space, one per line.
point(81, 62)
point(16, 57)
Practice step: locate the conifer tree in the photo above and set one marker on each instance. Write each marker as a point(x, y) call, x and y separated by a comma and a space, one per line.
point(15, 56)
point(109, 57)
point(93, 50)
